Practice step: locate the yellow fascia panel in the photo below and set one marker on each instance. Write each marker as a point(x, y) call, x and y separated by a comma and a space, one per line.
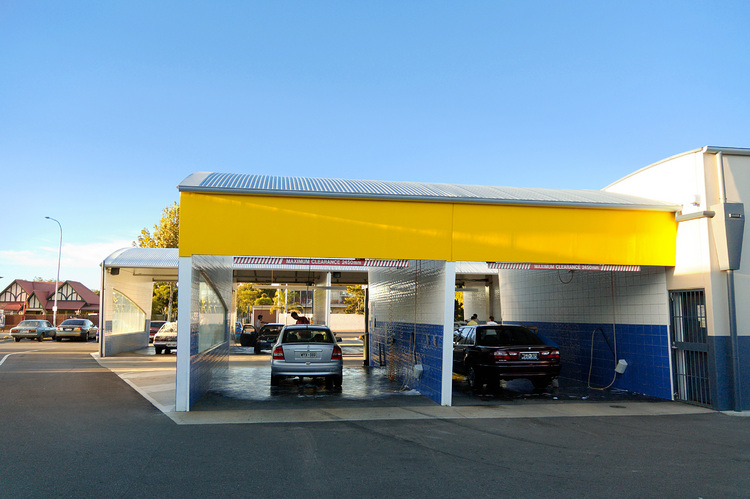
point(504, 233)
point(229, 224)
point(235, 224)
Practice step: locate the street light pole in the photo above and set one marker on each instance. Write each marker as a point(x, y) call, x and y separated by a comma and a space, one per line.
point(57, 281)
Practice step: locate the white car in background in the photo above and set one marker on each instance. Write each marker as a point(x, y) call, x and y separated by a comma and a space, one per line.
point(165, 340)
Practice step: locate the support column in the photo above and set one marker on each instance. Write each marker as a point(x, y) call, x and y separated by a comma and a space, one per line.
point(449, 275)
point(184, 301)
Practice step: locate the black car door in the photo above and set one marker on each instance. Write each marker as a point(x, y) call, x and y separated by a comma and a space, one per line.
point(460, 349)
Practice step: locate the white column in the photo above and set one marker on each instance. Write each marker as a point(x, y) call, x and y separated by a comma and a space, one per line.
point(446, 392)
point(184, 312)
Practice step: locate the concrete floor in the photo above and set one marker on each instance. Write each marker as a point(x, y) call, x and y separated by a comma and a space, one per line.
point(244, 395)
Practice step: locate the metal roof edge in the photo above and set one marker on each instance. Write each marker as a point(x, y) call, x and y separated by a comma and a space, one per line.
point(193, 180)
point(648, 204)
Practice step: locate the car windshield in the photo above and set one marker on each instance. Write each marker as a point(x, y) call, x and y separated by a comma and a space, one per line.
point(506, 337)
point(73, 322)
point(307, 336)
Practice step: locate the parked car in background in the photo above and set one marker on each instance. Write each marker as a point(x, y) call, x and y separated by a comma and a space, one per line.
point(165, 340)
point(153, 329)
point(488, 353)
point(247, 335)
point(33, 330)
point(267, 336)
point(83, 329)
point(307, 351)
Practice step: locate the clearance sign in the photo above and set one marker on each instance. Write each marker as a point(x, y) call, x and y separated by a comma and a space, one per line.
point(554, 266)
point(320, 262)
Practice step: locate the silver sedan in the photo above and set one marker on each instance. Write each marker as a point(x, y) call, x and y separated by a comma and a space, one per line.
point(307, 351)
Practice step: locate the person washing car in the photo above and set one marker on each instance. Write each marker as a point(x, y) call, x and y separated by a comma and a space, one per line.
point(259, 322)
point(301, 319)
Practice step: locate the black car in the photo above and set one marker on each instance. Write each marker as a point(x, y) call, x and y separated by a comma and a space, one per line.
point(488, 353)
point(263, 339)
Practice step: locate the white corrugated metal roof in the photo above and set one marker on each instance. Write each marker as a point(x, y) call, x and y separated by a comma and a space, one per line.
point(148, 258)
point(235, 183)
point(167, 258)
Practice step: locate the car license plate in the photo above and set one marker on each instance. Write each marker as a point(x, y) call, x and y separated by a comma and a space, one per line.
point(308, 355)
point(529, 356)
point(171, 344)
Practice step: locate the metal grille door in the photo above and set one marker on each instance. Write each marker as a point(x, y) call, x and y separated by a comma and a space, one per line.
point(690, 347)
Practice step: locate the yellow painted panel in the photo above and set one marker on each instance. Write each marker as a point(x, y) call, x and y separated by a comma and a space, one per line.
point(227, 224)
point(563, 235)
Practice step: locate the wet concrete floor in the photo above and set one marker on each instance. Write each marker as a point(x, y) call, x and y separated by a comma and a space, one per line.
point(247, 385)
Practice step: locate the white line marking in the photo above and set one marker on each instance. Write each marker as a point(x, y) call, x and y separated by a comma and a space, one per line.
point(15, 353)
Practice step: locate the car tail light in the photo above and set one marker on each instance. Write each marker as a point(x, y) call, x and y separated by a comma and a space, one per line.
point(77, 329)
point(336, 355)
point(278, 353)
point(551, 354)
point(501, 355)
point(32, 330)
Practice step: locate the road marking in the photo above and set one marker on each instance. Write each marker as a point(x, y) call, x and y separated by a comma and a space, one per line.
point(15, 353)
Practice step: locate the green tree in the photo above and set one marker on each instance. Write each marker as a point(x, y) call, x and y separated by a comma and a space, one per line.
point(166, 232)
point(355, 302)
point(292, 301)
point(166, 235)
point(264, 299)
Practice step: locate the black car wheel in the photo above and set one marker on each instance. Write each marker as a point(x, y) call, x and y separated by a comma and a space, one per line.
point(17, 339)
point(157, 350)
point(39, 338)
point(475, 381)
point(541, 383)
point(58, 338)
point(274, 380)
point(257, 349)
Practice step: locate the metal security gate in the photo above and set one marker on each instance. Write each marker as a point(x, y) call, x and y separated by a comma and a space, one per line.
point(690, 347)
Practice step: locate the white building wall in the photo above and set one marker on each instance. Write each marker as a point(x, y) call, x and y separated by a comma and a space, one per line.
point(693, 179)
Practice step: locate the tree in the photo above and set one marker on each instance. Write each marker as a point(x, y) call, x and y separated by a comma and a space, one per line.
point(166, 235)
point(355, 302)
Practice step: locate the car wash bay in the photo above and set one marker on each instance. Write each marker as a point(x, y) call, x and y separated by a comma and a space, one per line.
point(432, 226)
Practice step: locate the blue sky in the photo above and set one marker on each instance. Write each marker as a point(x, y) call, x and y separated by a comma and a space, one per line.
point(106, 106)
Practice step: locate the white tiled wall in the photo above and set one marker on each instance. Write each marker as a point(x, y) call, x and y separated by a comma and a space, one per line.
point(585, 296)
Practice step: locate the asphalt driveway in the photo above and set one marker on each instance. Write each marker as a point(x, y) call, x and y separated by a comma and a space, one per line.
point(71, 428)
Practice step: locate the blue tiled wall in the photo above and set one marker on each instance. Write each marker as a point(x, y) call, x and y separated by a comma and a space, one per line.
point(644, 347)
point(720, 357)
point(427, 340)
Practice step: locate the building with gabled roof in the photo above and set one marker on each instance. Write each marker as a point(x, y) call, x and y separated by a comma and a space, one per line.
point(23, 298)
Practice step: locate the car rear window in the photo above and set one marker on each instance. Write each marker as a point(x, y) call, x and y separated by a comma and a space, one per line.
point(307, 336)
point(29, 323)
point(270, 329)
point(506, 337)
point(73, 322)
